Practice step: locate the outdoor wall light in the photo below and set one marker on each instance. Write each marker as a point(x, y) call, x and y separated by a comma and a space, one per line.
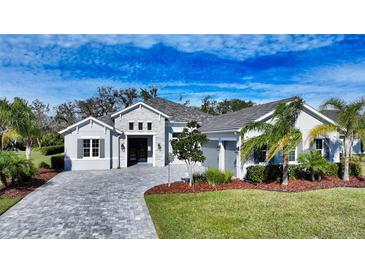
point(237, 149)
point(122, 147)
point(159, 146)
point(218, 147)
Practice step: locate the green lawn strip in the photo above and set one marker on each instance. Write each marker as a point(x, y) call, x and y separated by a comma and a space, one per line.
point(6, 203)
point(38, 157)
point(331, 213)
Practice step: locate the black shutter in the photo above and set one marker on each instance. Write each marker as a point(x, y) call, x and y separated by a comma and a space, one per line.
point(102, 148)
point(80, 144)
point(326, 147)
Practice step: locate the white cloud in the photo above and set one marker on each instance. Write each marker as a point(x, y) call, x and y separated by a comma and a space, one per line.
point(238, 47)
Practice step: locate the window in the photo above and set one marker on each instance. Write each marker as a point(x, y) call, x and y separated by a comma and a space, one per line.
point(292, 155)
point(149, 126)
point(95, 148)
point(86, 148)
point(131, 125)
point(260, 155)
point(140, 126)
point(319, 145)
point(91, 148)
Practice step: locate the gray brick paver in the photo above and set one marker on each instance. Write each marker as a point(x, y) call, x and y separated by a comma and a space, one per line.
point(88, 204)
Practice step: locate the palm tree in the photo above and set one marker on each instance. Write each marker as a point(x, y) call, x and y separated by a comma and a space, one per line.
point(350, 124)
point(314, 162)
point(280, 135)
point(19, 117)
point(148, 94)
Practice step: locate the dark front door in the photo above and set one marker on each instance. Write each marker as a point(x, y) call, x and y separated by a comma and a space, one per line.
point(137, 151)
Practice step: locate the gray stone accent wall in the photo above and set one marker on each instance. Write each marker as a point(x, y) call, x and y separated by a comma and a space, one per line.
point(142, 114)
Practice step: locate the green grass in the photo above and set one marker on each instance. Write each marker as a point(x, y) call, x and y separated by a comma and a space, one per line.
point(331, 213)
point(38, 157)
point(6, 203)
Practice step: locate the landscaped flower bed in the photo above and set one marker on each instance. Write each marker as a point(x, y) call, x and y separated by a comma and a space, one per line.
point(24, 188)
point(294, 186)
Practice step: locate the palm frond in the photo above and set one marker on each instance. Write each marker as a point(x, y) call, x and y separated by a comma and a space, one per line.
point(258, 126)
point(320, 130)
point(287, 142)
point(253, 144)
point(336, 103)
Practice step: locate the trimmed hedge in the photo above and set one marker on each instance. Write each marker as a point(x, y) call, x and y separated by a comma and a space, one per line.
point(57, 162)
point(51, 150)
point(270, 173)
point(199, 177)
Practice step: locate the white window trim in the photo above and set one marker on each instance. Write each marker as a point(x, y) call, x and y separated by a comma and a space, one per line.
point(322, 149)
point(147, 126)
point(91, 149)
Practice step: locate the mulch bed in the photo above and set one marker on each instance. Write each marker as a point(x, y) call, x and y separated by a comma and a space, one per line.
point(294, 186)
point(24, 188)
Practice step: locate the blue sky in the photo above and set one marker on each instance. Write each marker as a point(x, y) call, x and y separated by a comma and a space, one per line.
point(58, 68)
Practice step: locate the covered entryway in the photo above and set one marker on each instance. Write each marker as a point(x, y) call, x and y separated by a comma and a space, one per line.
point(137, 151)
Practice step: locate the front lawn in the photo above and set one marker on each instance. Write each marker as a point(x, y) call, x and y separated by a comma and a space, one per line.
point(6, 203)
point(331, 213)
point(38, 157)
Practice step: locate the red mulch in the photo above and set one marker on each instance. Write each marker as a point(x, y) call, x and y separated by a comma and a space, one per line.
point(24, 188)
point(294, 186)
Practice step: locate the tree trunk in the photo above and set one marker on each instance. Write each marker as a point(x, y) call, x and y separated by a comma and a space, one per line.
point(3, 179)
point(313, 178)
point(285, 181)
point(346, 173)
point(39, 142)
point(190, 174)
point(28, 151)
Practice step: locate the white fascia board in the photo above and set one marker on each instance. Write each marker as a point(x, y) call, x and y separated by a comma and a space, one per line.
point(320, 114)
point(89, 119)
point(136, 105)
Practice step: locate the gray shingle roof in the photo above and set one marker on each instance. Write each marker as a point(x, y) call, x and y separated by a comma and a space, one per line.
point(235, 120)
point(177, 112)
point(331, 113)
point(107, 120)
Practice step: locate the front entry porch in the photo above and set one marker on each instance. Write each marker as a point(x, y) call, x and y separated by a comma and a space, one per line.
point(139, 149)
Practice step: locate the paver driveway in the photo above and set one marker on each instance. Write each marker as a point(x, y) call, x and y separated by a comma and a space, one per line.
point(88, 204)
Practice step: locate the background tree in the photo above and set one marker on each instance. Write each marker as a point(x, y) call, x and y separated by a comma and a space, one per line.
point(187, 147)
point(41, 112)
point(148, 94)
point(19, 117)
point(350, 124)
point(313, 161)
point(66, 115)
point(214, 107)
point(281, 135)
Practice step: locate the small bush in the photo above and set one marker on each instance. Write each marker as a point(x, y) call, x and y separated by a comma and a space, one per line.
point(15, 167)
point(354, 168)
point(199, 177)
point(332, 169)
point(57, 162)
point(260, 174)
point(51, 150)
point(214, 176)
point(227, 176)
point(44, 165)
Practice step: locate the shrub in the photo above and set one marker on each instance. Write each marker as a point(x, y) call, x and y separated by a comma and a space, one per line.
point(314, 162)
point(227, 176)
point(214, 176)
point(354, 169)
point(199, 177)
point(15, 167)
point(331, 169)
point(260, 174)
point(57, 162)
point(51, 150)
point(44, 165)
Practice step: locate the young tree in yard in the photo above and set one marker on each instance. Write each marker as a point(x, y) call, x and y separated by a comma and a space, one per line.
point(187, 147)
point(280, 135)
point(350, 124)
point(19, 117)
point(314, 162)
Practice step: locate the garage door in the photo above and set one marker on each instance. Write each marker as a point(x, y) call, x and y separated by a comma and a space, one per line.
point(230, 156)
point(211, 154)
